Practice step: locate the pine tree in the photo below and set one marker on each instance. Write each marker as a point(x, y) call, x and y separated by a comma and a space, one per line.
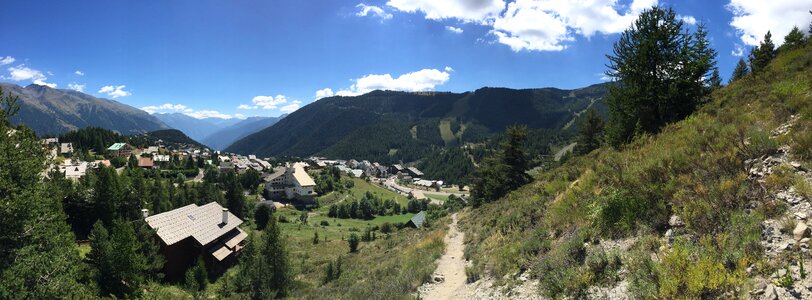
point(504, 171)
point(514, 157)
point(150, 249)
point(127, 265)
point(740, 71)
point(108, 195)
point(659, 68)
point(197, 277)
point(762, 54)
point(132, 161)
point(38, 256)
point(715, 81)
point(794, 39)
point(262, 216)
point(275, 255)
point(99, 255)
point(235, 200)
point(353, 242)
point(590, 132)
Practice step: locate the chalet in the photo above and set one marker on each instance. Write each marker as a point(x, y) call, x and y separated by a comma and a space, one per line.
point(73, 170)
point(120, 149)
point(146, 162)
point(226, 166)
point(151, 150)
point(395, 169)
point(209, 231)
point(66, 149)
point(414, 172)
point(161, 158)
point(381, 171)
point(51, 142)
point(418, 220)
point(290, 182)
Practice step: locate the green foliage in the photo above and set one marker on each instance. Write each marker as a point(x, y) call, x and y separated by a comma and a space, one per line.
point(264, 268)
point(590, 133)
point(762, 54)
point(452, 165)
point(793, 40)
point(353, 242)
point(250, 180)
point(504, 171)
point(196, 277)
point(262, 215)
point(119, 265)
point(662, 72)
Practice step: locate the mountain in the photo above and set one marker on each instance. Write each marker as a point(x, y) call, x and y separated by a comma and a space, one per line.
point(227, 136)
point(55, 111)
point(389, 126)
point(171, 138)
point(195, 128)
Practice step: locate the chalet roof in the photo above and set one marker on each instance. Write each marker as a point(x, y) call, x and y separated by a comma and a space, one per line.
point(66, 148)
point(117, 146)
point(203, 223)
point(145, 162)
point(419, 219)
point(415, 171)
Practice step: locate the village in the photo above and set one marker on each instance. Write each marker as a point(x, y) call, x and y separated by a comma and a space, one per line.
point(401, 197)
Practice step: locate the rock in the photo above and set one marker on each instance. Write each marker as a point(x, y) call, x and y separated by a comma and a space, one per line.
point(804, 240)
point(795, 164)
point(784, 246)
point(438, 278)
point(675, 221)
point(669, 234)
point(770, 293)
point(800, 215)
point(801, 231)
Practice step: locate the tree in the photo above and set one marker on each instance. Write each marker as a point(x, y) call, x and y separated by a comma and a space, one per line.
point(502, 172)
point(250, 180)
point(38, 255)
point(262, 215)
point(795, 39)
point(196, 277)
point(661, 71)
point(590, 132)
point(762, 54)
point(235, 200)
point(740, 71)
point(132, 162)
point(315, 237)
point(99, 255)
point(715, 81)
point(353, 241)
point(108, 195)
point(275, 255)
point(127, 265)
point(150, 249)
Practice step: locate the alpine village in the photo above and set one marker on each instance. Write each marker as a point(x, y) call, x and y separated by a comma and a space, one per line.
point(660, 181)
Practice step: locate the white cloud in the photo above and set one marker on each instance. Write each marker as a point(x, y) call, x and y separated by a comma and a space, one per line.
point(80, 73)
point(167, 107)
point(114, 91)
point(269, 102)
point(475, 11)
point(753, 18)
point(423, 80)
point(448, 69)
point(21, 73)
point(371, 10)
point(453, 29)
point(323, 93)
point(247, 107)
point(534, 25)
point(7, 60)
point(738, 50)
point(76, 87)
point(202, 114)
point(293, 106)
point(690, 20)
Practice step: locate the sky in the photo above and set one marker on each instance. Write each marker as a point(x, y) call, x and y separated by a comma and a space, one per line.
point(265, 58)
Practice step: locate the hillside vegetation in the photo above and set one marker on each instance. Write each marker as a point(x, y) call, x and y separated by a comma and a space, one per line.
point(674, 214)
point(388, 126)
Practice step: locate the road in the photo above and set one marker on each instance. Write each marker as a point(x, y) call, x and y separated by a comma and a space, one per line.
point(392, 185)
point(450, 269)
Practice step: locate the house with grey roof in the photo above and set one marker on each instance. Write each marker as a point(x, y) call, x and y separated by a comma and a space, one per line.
point(418, 220)
point(209, 231)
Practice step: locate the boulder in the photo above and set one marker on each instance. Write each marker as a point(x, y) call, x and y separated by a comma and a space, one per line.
point(801, 231)
point(675, 221)
point(770, 293)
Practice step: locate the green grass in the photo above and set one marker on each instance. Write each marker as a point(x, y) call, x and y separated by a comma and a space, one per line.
point(446, 134)
point(334, 231)
point(436, 196)
point(357, 192)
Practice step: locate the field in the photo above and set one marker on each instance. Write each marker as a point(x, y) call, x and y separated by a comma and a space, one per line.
point(358, 191)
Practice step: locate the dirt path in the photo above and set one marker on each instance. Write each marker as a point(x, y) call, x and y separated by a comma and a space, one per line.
point(450, 269)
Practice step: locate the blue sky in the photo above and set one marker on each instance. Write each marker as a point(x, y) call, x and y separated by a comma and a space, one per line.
point(245, 58)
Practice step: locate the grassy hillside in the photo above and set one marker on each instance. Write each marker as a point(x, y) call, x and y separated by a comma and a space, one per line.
point(603, 219)
point(392, 126)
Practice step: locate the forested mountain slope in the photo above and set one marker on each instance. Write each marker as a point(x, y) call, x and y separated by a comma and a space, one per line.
point(390, 126)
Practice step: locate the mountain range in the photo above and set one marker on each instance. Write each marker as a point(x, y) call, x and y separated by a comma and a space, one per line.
point(51, 111)
point(197, 129)
point(224, 137)
point(389, 126)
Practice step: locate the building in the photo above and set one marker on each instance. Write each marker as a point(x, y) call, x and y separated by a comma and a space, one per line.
point(418, 220)
point(414, 172)
point(66, 149)
point(290, 182)
point(120, 149)
point(381, 171)
point(146, 162)
point(73, 170)
point(395, 169)
point(209, 231)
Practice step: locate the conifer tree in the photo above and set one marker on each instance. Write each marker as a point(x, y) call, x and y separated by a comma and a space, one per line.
point(503, 171)
point(715, 80)
point(659, 68)
point(794, 39)
point(762, 54)
point(262, 216)
point(275, 255)
point(740, 71)
point(590, 132)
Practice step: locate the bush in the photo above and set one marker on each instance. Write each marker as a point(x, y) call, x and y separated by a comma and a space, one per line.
point(353, 242)
point(262, 216)
point(325, 223)
point(386, 228)
point(283, 219)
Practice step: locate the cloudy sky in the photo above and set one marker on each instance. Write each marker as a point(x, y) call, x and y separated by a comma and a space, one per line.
point(244, 58)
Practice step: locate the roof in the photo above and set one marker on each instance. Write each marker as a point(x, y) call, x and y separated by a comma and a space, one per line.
point(419, 219)
point(415, 171)
point(66, 147)
point(276, 174)
point(301, 176)
point(116, 146)
point(203, 223)
point(145, 162)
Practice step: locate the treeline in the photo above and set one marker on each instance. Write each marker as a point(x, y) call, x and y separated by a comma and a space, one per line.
point(371, 205)
point(97, 139)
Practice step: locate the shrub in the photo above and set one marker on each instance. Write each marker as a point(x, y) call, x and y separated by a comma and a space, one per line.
point(283, 219)
point(262, 215)
point(386, 227)
point(325, 223)
point(353, 242)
